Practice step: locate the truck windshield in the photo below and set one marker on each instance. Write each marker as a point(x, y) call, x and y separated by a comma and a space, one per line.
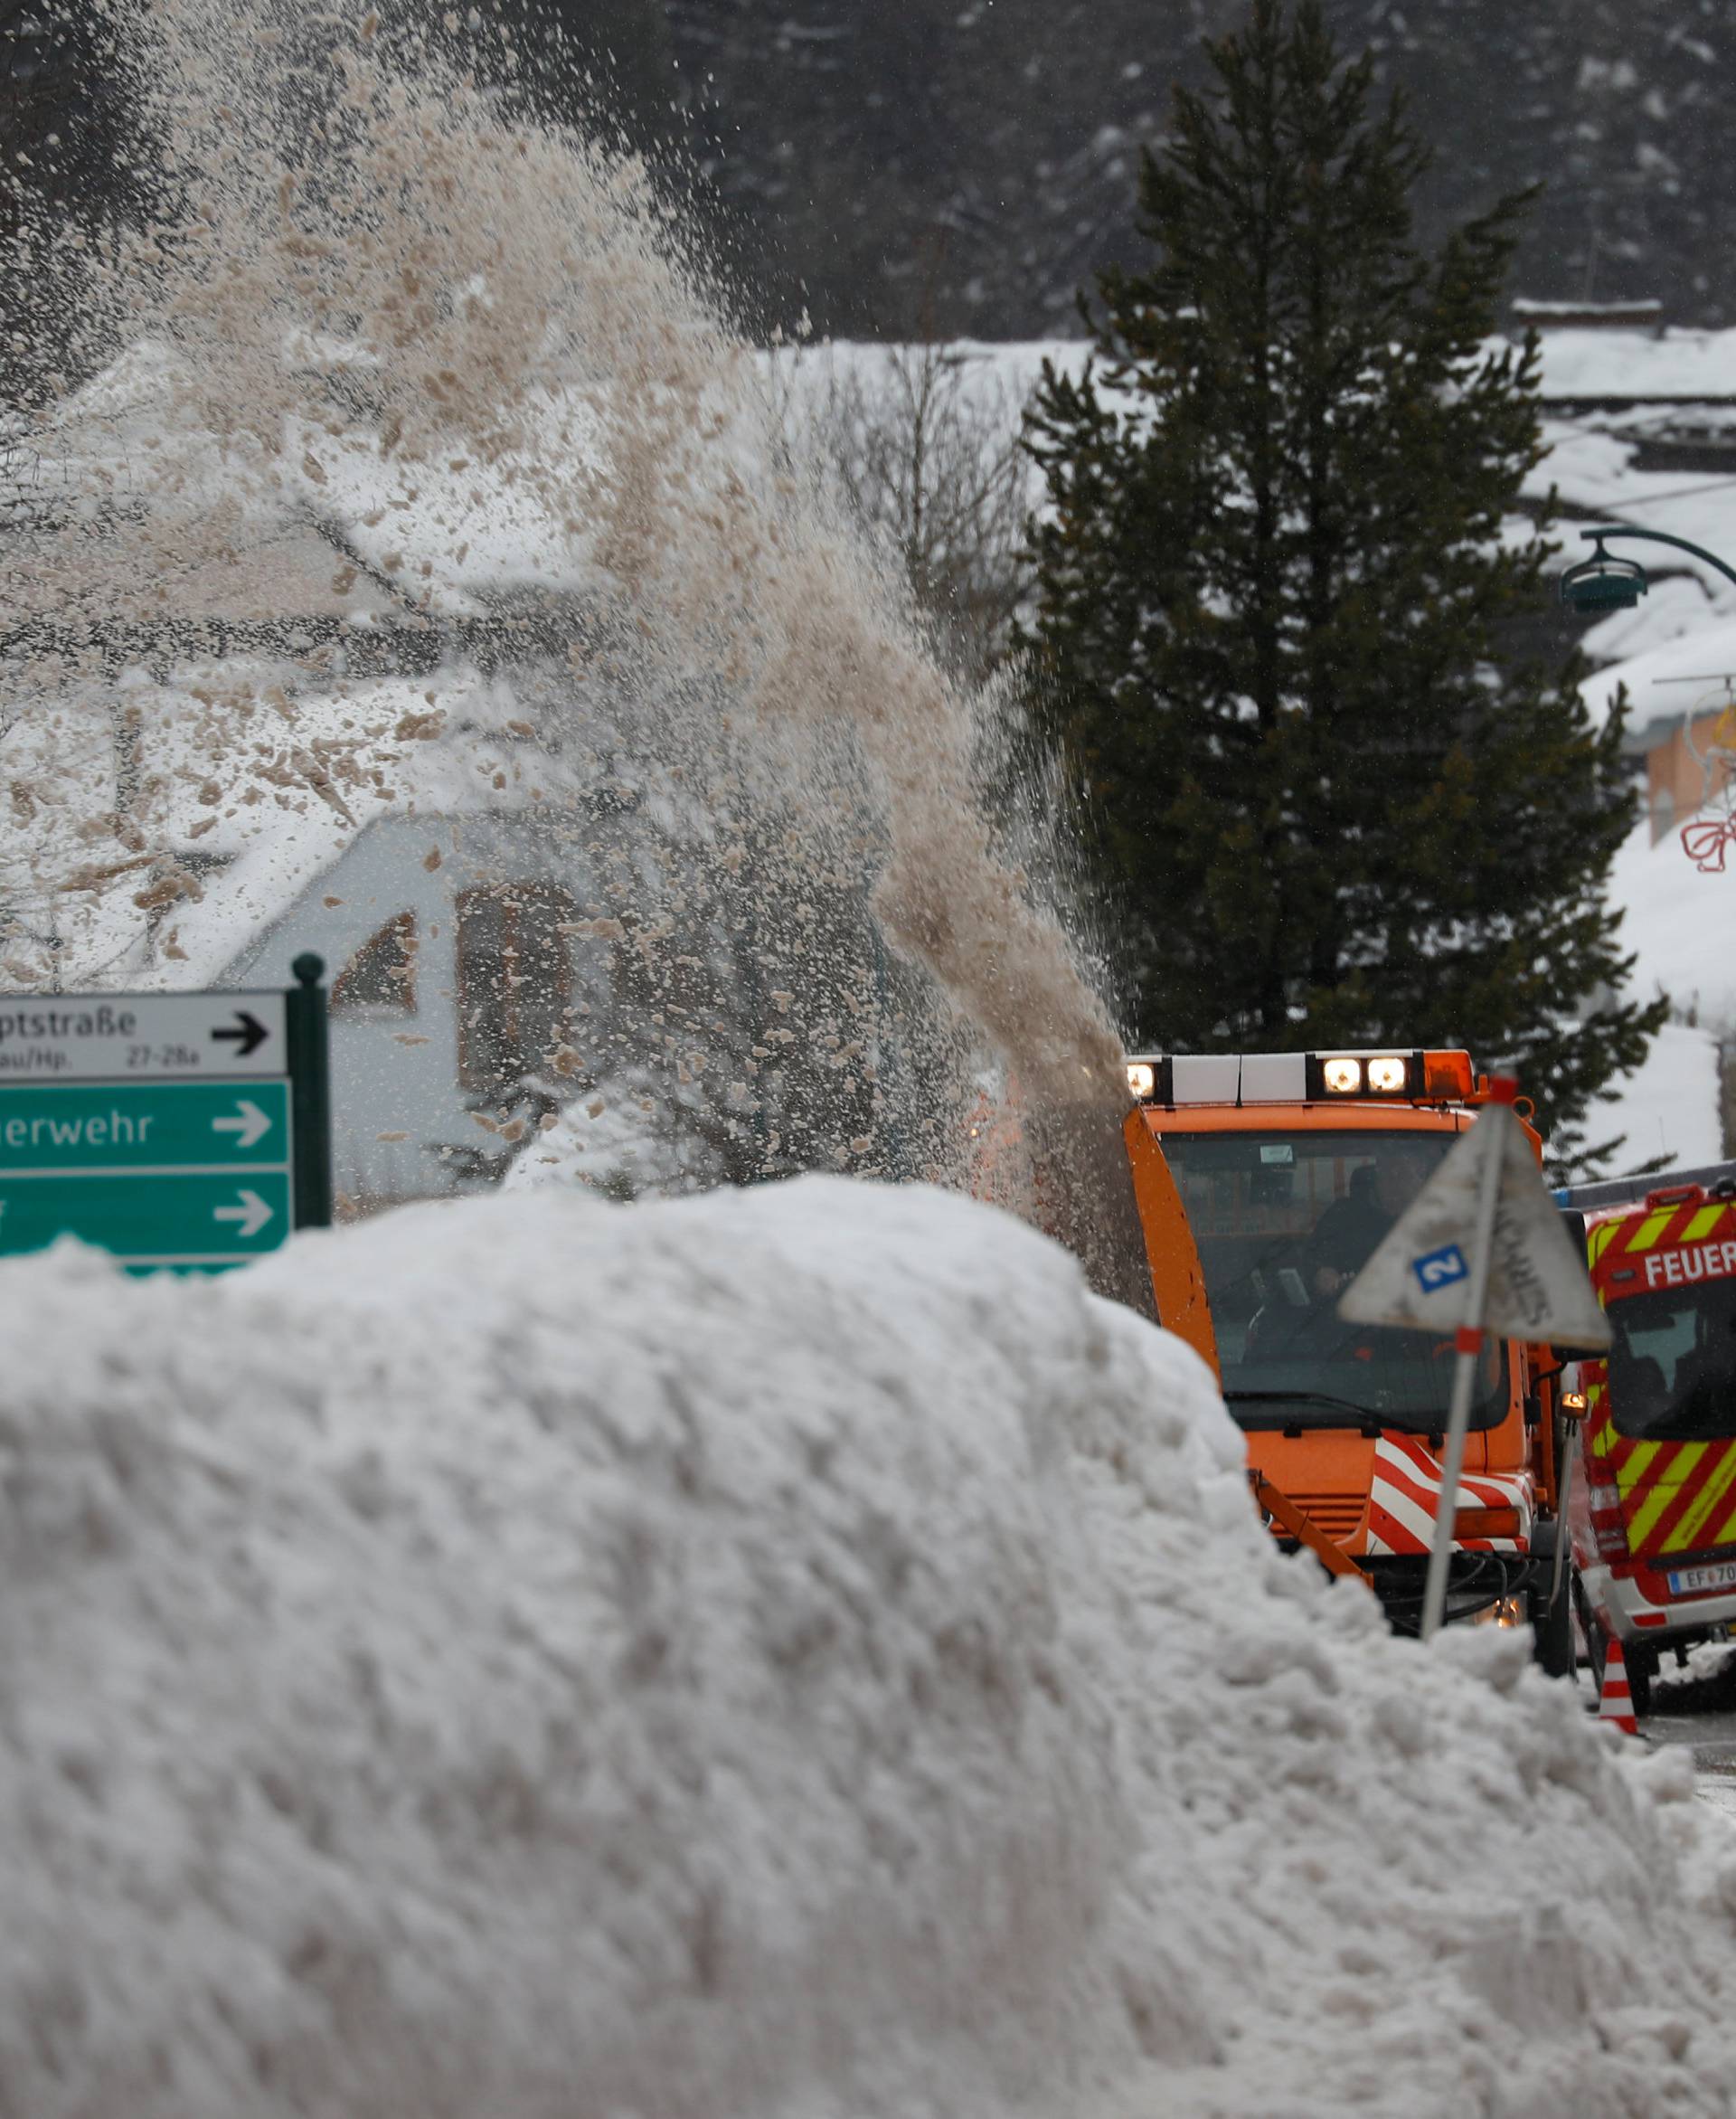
point(1283, 1221)
point(1673, 1365)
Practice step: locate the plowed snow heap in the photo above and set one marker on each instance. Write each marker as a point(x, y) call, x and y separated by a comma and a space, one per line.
point(790, 1653)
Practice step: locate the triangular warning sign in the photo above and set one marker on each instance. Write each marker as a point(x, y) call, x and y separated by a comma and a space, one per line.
point(1419, 1277)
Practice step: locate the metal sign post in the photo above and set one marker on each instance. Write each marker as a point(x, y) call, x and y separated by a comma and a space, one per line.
point(1480, 1249)
point(1469, 1342)
point(310, 1085)
point(184, 1130)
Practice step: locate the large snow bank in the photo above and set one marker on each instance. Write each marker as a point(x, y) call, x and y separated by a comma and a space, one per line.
point(769, 1654)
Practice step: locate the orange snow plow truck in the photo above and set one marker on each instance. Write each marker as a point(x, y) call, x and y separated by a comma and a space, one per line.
point(1264, 1181)
point(1653, 1511)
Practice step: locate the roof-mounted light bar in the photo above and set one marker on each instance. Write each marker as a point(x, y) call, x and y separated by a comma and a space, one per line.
point(1301, 1077)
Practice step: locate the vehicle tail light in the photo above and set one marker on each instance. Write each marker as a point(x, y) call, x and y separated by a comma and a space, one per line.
point(1606, 1522)
point(1486, 1523)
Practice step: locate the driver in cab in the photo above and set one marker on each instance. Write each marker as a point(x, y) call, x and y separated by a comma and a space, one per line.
point(1346, 1235)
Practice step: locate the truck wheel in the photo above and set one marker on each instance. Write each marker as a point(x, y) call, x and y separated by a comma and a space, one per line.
point(1553, 1629)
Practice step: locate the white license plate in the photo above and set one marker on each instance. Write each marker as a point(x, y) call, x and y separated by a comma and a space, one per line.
point(1718, 1576)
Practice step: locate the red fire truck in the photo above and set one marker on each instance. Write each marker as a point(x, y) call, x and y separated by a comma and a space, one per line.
point(1653, 1516)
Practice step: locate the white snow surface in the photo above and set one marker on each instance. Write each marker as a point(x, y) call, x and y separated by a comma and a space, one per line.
point(791, 1654)
point(1678, 921)
point(1676, 363)
point(1668, 1106)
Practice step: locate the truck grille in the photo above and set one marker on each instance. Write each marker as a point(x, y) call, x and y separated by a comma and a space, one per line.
point(1336, 1514)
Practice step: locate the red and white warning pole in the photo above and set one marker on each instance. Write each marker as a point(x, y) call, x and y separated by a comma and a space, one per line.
point(1492, 1126)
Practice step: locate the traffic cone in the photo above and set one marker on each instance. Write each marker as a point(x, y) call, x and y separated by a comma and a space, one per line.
point(1616, 1703)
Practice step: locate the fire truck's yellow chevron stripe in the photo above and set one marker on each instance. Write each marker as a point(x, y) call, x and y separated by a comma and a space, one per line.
point(1703, 1224)
point(1683, 1465)
point(1651, 1229)
point(1602, 1236)
point(1687, 1532)
point(1635, 1470)
point(1726, 1530)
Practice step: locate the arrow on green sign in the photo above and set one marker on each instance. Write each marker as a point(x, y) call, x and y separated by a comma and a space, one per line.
point(249, 1124)
point(250, 1214)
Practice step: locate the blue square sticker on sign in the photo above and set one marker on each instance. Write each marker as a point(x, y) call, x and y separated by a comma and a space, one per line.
point(1440, 1269)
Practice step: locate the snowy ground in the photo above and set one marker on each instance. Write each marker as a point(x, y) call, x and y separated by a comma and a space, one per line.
point(1694, 1710)
point(1668, 1107)
point(791, 1655)
point(1679, 923)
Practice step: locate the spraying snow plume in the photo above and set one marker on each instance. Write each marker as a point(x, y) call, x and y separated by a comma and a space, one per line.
point(401, 360)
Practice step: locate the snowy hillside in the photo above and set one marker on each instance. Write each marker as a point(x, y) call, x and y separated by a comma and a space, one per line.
point(1635, 393)
point(786, 1655)
point(1681, 922)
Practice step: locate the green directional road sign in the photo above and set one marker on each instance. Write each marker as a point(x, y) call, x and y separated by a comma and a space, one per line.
point(140, 1125)
point(150, 1218)
point(190, 1130)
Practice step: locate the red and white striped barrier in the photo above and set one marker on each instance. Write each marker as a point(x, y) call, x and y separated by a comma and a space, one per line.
point(1404, 1499)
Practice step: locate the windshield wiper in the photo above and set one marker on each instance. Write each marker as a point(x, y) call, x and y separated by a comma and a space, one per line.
point(1370, 1422)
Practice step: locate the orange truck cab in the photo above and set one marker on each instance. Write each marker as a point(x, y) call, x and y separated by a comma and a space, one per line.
point(1264, 1181)
point(1653, 1512)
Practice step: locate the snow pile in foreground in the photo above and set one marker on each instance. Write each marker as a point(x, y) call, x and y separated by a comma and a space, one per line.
point(791, 1653)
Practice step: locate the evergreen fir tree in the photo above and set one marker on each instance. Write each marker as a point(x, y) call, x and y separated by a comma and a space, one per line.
point(1275, 576)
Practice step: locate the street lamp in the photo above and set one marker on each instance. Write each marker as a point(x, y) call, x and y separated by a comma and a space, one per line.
point(1607, 581)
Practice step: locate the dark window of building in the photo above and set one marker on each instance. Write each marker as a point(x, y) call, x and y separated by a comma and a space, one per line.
point(380, 979)
point(515, 996)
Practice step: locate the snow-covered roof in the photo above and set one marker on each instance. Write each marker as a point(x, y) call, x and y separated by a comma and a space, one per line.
point(217, 615)
point(243, 800)
point(1673, 678)
point(1638, 364)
